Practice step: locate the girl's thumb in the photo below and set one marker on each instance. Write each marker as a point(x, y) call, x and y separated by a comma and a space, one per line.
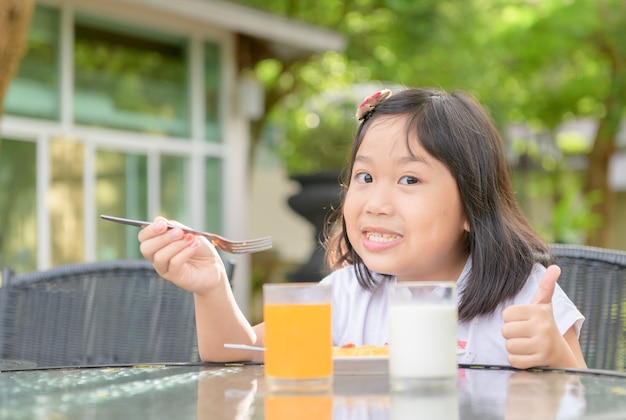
point(546, 285)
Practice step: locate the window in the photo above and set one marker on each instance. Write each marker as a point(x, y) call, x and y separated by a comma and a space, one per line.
point(174, 204)
point(129, 81)
point(18, 204)
point(213, 194)
point(121, 190)
point(34, 92)
point(65, 201)
point(212, 82)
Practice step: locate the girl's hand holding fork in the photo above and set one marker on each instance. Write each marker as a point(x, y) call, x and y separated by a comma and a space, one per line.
point(189, 261)
point(192, 263)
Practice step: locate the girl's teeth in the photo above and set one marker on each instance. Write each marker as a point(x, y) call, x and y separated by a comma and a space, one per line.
point(381, 237)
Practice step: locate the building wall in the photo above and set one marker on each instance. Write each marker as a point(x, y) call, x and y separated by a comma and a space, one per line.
point(269, 213)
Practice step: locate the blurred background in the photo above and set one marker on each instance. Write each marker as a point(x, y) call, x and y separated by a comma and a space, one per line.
point(226, 115)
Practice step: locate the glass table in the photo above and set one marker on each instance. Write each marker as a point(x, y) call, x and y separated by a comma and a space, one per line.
point(237, 391)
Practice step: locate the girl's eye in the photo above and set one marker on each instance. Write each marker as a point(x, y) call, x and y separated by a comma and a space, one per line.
point(409, 180)
point(363, 178)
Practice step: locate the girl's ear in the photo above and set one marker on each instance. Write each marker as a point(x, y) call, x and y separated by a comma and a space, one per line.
point(466, 226)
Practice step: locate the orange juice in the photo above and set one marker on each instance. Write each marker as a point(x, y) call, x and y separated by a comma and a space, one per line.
point(298, 343)
point(299, 406)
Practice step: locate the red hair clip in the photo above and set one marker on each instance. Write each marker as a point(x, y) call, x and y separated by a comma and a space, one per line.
point(369, 104)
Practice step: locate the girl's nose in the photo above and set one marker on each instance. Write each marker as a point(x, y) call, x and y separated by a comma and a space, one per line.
point(379, 201)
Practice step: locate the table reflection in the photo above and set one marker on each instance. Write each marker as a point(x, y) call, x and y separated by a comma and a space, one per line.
point(99, 393)
point(225, 394)
point(239, 392)
point(512, 395)
point(480, 394)
point(553, 397)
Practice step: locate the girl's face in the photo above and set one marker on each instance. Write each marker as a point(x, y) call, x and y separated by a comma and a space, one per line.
point(402, 210)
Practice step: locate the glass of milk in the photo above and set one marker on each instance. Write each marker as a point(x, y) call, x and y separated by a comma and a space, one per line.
point(422, 335)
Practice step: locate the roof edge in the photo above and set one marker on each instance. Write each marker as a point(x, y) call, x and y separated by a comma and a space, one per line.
point(253, 22)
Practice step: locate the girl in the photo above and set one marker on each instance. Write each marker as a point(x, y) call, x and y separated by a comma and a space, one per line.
point(428, 197)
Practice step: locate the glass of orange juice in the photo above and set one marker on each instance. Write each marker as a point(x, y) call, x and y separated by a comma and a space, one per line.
point(298, 342)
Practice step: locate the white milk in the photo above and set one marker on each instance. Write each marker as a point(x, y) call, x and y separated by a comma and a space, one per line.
point(422, 340)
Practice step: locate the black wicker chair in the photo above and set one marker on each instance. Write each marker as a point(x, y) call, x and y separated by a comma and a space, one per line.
point(114, 312)
point(595, 280)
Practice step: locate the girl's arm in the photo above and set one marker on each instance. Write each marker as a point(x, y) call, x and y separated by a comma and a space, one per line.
point(572, 341)
point(192, 263)
point(532, 336)
point(219, 320)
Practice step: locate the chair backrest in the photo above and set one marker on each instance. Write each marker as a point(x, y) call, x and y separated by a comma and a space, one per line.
point(595, 280)
point(114, 312)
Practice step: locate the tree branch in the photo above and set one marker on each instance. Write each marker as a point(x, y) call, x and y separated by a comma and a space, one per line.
point(15, 17)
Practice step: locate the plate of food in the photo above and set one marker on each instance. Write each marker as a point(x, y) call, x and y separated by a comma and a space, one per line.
point(364, 360)
point(360, 360)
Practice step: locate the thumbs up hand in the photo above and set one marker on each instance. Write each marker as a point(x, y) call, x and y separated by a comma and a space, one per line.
point(532, 337)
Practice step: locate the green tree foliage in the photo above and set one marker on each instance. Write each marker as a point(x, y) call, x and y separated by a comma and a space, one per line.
point(536, 62)
point(571, 62)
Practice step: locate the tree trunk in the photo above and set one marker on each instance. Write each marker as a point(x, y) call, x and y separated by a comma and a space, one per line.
point(598, 162)
point(15, 16)
point(597, 180)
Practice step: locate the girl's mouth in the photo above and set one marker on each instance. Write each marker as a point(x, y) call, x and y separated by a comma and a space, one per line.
point(381, 237)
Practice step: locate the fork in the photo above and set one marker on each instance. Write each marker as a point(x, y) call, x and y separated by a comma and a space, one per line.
point(226, 245)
